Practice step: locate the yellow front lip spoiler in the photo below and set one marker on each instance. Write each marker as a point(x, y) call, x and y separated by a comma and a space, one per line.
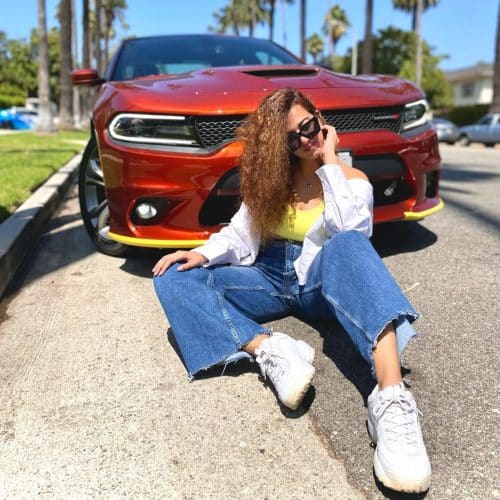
point(145, 242)
point(411, 216)
point(148, 243)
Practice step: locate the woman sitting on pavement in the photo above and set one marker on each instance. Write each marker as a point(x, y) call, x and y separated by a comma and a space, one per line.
point(299, 246)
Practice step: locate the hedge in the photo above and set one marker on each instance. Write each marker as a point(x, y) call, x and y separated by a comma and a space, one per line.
point(465, 115)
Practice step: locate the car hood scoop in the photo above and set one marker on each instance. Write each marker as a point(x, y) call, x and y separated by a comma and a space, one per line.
point(284, 72)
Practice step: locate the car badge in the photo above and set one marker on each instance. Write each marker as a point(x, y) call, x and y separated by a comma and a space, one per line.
point(379, 118)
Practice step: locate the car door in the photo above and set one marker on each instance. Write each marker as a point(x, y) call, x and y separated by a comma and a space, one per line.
point(495, 129)
point(482, 130)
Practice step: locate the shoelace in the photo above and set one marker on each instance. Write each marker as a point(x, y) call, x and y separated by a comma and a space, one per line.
point(272, 363)
point(399, 419)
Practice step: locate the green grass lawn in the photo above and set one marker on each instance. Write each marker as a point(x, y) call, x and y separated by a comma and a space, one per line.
point(27, 160)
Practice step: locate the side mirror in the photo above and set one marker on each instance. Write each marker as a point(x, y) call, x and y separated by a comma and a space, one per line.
point(86, 76)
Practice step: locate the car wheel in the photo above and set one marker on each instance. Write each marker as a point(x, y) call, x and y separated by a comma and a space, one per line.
point(490, 144)
point(93, 202)
point(464, 140)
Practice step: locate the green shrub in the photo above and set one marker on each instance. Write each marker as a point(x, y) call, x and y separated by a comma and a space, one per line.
point(10, 96)
point(465, 115)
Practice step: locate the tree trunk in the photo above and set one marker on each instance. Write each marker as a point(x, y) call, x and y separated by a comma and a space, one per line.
point(44, 112)
point(303, 29)
point(495, 105)
point(86, 92)
point(271, 19)
point(66, 98)
point(368, 41)
point(76, 90)
point(97, 37)
point(418, 57)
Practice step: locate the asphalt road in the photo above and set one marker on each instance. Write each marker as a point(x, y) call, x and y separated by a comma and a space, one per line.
point(94, 401)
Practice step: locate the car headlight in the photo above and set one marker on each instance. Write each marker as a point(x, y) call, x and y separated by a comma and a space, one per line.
point(153, 129)
point(415, 114)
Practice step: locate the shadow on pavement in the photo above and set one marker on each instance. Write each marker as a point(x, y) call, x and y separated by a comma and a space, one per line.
point(394, 238)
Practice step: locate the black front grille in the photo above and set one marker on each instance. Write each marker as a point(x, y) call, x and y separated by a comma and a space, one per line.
point(214, 130)
point(359, 120)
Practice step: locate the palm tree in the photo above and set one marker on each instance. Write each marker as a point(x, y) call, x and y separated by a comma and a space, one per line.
point(272, 14)
point(495, 105)
point(335, 26)
point(368, 41)
point(417, 8)
point(315, 46)
point(240, 14)
point(74, 50)
point(44, 111)
point(86, 93)
point(66, 65)
point(97, 36)
point(411, 6)
point(112, 9)
point(303, 29)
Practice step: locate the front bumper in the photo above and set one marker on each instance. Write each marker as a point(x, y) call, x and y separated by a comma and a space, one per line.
point(197, 193)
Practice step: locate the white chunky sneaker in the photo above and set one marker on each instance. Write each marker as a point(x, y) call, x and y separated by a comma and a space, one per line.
point(400, 461)
point(281, 360)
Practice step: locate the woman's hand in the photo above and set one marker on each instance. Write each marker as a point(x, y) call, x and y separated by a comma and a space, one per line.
point(328, 154)
point(193, 259)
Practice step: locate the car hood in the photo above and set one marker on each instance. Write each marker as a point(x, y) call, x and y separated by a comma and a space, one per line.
point(239, 90)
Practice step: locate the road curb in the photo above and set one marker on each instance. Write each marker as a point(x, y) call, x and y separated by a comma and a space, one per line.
point(19, 233)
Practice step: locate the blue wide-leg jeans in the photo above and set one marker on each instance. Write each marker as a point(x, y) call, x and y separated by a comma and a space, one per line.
point(213, 311)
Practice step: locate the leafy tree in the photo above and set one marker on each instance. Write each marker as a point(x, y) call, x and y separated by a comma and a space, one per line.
point(18, 71)
point(394, 54)
point(335, 26)
point(315, 46)
point(417, 7)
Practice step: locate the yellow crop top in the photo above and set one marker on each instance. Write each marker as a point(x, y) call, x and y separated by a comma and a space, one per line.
point(304, 219)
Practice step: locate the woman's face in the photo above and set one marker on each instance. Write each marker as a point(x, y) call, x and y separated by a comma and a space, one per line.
point(311, 148)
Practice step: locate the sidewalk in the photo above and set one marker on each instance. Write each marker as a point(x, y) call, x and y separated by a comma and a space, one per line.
point(20, 232)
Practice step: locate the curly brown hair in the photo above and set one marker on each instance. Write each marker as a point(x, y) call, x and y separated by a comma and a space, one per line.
point(267, 167)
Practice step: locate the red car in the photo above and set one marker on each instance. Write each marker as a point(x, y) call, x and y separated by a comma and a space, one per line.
point(161, 167)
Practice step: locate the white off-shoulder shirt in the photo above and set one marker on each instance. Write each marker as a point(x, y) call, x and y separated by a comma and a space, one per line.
point(348, 206)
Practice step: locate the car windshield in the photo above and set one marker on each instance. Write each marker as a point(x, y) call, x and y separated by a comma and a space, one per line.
point(179, 54)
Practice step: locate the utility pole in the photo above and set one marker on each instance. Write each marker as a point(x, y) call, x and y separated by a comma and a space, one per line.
point(354, 53)
point(418, 57)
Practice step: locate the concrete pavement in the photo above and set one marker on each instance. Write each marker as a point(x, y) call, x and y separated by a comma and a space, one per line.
point(95, 402)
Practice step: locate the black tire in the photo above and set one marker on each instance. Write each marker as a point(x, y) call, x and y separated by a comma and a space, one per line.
point(93, 202)
point(464, 140)
point(490, 144)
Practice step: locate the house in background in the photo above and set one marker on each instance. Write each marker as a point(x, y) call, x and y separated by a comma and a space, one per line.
point(472, 85)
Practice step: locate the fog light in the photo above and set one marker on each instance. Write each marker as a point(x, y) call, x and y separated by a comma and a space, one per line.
point(146, 211)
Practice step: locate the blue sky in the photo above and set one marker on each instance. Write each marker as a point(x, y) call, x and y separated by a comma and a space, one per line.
point(463, 29)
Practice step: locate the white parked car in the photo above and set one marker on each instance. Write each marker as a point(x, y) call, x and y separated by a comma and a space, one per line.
point(486, 130)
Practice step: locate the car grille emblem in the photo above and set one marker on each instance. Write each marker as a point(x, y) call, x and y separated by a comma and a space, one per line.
point(380, 118)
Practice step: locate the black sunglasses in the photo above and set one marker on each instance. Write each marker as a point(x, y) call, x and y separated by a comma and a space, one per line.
point(308, 129)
